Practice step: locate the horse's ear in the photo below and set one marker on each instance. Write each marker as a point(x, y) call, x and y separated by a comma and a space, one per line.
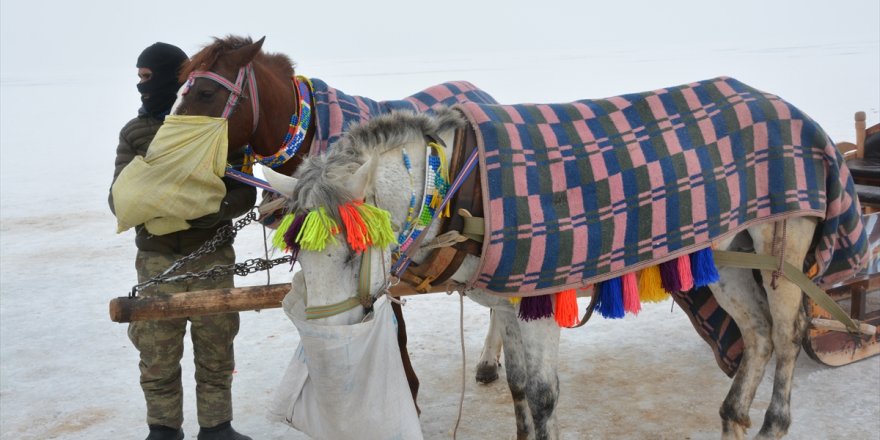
point(246, 54)
point(362, 178)
point(280, 182)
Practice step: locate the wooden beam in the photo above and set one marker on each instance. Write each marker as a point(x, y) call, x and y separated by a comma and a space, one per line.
point(203, 302)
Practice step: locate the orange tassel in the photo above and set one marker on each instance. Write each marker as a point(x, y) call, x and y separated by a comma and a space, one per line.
point(566, 312)
point(355, 229)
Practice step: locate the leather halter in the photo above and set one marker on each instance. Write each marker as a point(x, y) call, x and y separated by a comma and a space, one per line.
point(245, 73)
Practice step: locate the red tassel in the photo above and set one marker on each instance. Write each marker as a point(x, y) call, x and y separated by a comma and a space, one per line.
point(631, 303)
point(566, 312)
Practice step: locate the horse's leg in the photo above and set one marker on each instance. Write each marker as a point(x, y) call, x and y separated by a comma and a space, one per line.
point(487, 367)
point(516, 371)
point(789, 320)
point(540, 343)
point(739, 295)
point(411, 377)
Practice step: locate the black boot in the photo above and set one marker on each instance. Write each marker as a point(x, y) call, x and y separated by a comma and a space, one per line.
point(159, 432)
point(222, 431)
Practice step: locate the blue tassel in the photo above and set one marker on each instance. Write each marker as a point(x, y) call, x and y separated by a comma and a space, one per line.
point(535, 307)
point(703, 267)
point(609, 303)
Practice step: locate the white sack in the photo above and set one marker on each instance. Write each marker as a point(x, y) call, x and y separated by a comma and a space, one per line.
point(346, 381)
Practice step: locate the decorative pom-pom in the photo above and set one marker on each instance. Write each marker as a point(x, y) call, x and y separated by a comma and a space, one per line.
point(703, 267)
point(631, 303)
point(609, 303)
point(292, 232)
point(566, 312)
point(535, 307)
point(651, 286)
point(356, 232)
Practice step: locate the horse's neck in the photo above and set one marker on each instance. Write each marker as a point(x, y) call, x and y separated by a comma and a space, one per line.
point(277, 105)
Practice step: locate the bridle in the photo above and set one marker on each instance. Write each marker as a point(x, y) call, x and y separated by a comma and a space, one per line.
point(245, 74)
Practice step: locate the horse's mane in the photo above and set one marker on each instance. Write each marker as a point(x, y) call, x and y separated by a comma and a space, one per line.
point(206, 58)
point(326, 175)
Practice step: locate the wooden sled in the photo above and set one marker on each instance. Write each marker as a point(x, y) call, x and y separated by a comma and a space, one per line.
point(860, 295)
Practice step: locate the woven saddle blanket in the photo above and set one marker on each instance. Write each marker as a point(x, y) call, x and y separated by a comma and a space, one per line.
point(335, 111)
point(581, 192)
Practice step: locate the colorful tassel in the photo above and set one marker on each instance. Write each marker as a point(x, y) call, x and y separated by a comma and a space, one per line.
point(293, 231)
point(278, 238)
point(317, 230)
point(609, 303)
point(514, 299)
point(631, 303)
point(684, 273)
point(378, 223)
point(356, 231)
point(535, 307)
point(669, 277)
point(566, 312)
point(651, 285)
point(703, 267)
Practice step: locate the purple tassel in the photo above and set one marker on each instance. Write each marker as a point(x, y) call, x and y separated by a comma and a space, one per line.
point(535, 307)
point(609, 303)
point(669, 276)
point(703, 267)
point(292, 232)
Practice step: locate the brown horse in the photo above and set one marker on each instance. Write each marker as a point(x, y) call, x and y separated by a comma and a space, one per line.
point(257, 116)
point(282, 119)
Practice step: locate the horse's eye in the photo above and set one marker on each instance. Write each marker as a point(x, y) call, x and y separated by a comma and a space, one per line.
point(206, 94)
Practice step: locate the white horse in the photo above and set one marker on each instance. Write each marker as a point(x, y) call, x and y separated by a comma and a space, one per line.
point(365, 166)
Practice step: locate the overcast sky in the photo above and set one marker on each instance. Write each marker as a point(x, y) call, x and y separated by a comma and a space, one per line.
point(59, 36)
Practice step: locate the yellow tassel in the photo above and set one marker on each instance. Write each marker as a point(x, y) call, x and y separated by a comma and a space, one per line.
point(514, 299)
point(650, 285)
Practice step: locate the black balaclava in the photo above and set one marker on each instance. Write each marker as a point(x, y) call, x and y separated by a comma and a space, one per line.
point(165, 61)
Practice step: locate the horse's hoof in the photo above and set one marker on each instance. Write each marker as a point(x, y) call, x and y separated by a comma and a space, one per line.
point(487, 372)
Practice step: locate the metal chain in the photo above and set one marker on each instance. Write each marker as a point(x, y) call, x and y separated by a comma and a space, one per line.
point(222, 235)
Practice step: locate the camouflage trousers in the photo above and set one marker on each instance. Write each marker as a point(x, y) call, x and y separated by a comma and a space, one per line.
point(160, 343)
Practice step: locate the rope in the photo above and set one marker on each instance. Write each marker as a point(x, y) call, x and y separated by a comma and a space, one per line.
point(463, 361)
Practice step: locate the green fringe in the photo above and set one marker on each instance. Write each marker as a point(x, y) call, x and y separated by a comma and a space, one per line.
point(278, 238)
point(378, 223)
point(317, 230)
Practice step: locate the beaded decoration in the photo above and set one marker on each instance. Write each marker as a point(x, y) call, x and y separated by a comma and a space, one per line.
point(296, 132)
point(436, 186)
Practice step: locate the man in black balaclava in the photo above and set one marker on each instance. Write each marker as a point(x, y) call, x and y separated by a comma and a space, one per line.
point(160, 342)
point(158, 67)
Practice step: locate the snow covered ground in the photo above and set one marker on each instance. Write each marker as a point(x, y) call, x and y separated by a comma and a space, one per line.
point(68, 372)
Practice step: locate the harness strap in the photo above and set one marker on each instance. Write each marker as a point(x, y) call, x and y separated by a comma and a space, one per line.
point(245, 73)
point(769, 262)
point(363, 297)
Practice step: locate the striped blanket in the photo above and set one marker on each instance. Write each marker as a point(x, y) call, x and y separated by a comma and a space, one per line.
point(335, 110)
point(586, 191)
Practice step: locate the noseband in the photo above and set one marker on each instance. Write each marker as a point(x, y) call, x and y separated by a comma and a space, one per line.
point(245, 73)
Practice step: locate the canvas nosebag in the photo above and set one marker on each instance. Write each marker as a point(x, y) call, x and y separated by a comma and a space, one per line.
point(346, 381)
point(179, 179)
